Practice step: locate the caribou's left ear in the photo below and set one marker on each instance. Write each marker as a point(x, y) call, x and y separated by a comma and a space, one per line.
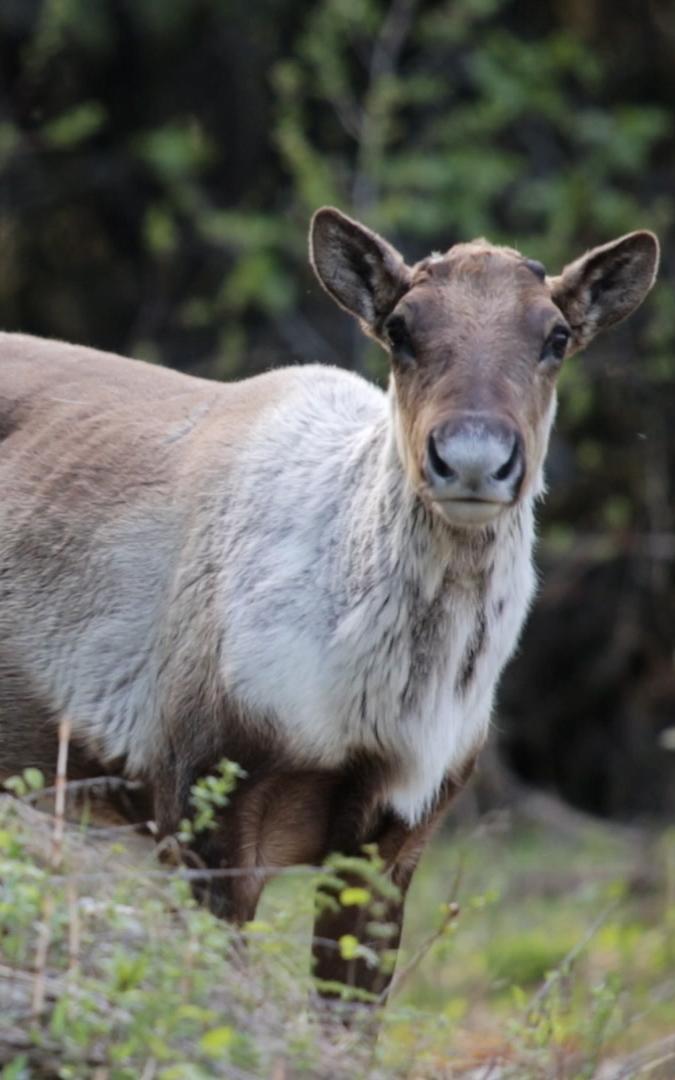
point(359, 269)
point(606, 284)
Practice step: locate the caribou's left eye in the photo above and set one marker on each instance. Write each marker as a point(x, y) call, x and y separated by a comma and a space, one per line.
point(556, 343)
point(398, 338)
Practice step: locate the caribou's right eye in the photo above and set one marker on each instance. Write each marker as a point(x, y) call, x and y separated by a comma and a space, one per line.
point(398, 338)
point(555, 346)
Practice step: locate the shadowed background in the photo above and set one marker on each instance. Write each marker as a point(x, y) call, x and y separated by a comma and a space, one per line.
point(159, 162)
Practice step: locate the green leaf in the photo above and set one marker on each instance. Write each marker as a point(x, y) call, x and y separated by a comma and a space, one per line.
point(175, 151)
point(349, 947)
point(160, 230)
point(10, 140)
point(215, 1041)
point(15, 784)
point(17, 1069)
point(258, 926)
point(76, 125)
point(34, 778)
point(354, 897)
point(190, 1011)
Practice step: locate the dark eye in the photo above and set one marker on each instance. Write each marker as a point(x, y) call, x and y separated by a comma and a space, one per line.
point(397, 335)
point(556, 343)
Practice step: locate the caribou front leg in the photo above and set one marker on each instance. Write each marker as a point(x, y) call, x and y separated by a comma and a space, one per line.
point(368, 969)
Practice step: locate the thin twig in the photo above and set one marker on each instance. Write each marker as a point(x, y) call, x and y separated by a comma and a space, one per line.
point(545, 989)
point(60, 794)
point(642, 1061)
point(73, 926)
point(451, 914)
point(56, 987)
point(383, 61)
point(45, 925)
point(184, 874)
point(79, 785)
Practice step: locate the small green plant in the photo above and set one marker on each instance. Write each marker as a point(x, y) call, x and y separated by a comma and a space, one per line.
point(210, 794)
point(139, 980)
point(360, 884)
point(28, 782)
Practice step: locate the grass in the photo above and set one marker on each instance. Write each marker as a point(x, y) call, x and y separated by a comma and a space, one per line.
point(559, 962)
point(562, 957)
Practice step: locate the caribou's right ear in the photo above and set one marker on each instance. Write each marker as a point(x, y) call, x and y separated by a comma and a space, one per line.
point(606, 284)
point(359, 269)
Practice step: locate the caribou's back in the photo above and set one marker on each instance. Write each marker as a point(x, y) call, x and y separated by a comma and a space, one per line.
point(109, 471)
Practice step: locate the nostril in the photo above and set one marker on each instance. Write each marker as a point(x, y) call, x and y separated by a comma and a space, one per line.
point(438, 465)
point(505, 470)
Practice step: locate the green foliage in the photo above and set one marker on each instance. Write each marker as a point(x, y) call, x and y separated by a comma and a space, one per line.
point(210, 794)
point(175, 151)
point(453, 126)
point(524, 959)
point(31, 779)
point(435, 121)
point(157, 984)
point(76, 125)
point(361, 882)
point(443, 136)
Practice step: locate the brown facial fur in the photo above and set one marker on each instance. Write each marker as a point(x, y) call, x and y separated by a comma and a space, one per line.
point(478, 318)
point(472, 329)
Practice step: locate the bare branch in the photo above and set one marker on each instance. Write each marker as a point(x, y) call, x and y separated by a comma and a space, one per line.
point(45, 926)
point(384, 60)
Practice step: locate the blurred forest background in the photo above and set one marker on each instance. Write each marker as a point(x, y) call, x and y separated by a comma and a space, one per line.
point(160, 159)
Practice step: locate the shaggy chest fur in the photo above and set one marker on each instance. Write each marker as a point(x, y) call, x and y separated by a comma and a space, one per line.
point(303, 585)
point(351, 615)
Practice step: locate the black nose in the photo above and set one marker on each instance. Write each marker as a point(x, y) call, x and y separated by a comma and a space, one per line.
point(475, 457)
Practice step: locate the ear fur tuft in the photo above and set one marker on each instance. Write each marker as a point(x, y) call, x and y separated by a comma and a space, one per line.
point(363, 273)
point(606, 284)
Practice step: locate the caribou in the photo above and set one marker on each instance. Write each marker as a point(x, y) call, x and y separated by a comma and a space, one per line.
point(300, 572)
